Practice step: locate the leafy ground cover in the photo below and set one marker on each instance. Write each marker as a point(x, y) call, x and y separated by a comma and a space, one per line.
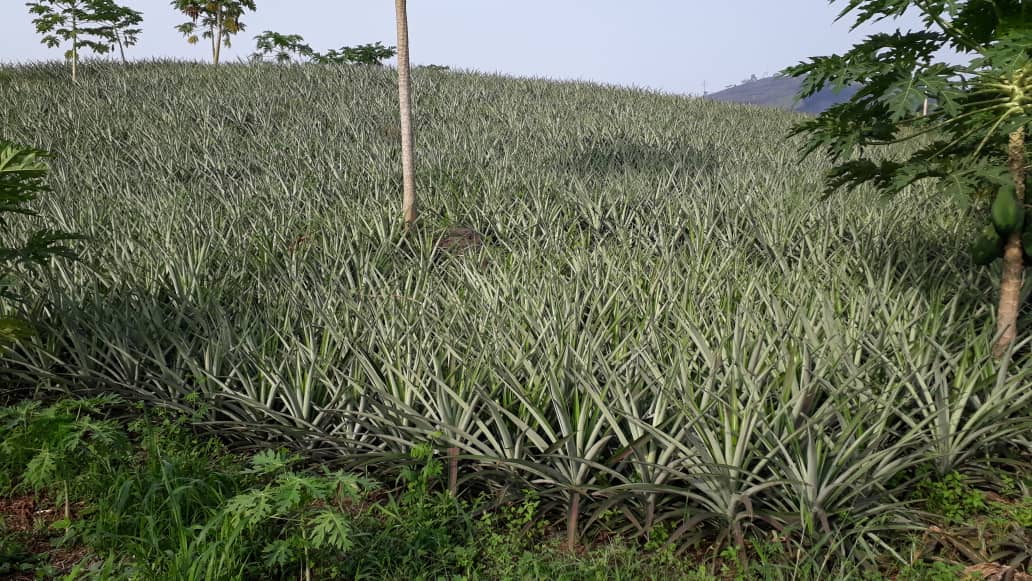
point(97, 489)
point(664, 337)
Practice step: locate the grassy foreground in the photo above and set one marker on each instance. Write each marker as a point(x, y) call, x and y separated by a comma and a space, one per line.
point(101, 490)
point(97, 496)
point(667, 336)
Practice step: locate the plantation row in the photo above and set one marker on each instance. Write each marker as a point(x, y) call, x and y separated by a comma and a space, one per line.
point(665, 328)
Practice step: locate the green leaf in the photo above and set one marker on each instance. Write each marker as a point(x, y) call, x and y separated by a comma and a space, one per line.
point(330, 529)
point(41, 471)
point(278, 553)
point(13, 330)
point(61, 525)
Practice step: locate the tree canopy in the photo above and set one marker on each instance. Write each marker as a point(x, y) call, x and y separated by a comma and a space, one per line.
point(978, 104)
point(97, 25)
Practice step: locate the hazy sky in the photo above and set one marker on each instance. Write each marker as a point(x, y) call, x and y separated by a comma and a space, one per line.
point(671, 45)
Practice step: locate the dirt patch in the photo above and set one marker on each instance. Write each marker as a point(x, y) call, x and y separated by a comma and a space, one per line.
point(26, 538)
point(458, 241)
point(996, 572)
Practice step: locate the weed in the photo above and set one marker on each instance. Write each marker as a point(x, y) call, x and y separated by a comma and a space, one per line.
point(951, 497)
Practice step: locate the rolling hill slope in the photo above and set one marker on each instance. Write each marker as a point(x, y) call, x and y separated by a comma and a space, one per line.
point(780, 92)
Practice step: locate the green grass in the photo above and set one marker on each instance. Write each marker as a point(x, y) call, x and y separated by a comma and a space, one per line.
point(667, 328)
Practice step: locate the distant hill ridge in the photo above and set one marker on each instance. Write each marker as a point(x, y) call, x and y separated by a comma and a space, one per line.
point(780, 92)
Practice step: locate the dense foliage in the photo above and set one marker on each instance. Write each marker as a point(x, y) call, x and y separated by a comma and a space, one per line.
point(283, 47)
point(665, 336)
point(147, 498)
point(363, 54)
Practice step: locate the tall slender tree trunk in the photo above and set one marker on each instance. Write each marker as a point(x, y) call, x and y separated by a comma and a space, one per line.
point(121, 49)
point(216, 38)
point(213, 57)
point(408, 174)
point(1010, 284)
point(75, 48)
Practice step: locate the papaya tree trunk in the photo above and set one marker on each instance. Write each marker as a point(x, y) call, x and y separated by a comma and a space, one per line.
point(408, 175)
point(1011, 283)
point(571, 522)
point(216, 39)
point(453, 471)
point(75, 48)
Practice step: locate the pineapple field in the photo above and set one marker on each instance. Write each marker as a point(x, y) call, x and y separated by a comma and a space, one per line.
point(659, 328)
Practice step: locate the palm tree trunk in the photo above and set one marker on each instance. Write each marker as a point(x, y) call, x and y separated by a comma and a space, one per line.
point(408, 175)
point(1010, 284)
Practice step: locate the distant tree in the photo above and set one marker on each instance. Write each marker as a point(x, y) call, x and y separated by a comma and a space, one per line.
point(364, 54)
point(123, 23)
point(82, 23)
point(977, 129)
point(218, 21)
point(408, 174)
point(281, 46)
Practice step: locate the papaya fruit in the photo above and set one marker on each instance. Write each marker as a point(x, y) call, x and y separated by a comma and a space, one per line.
point(987, 247)
point(1007, 212)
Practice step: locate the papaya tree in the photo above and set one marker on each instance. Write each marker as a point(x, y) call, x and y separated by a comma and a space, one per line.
point(216, 21)
point(363, 54)
point(280, 47)
point(83, 24)
point(283, 47)
point(122, 24)
point(408, 176)
point(974, 140)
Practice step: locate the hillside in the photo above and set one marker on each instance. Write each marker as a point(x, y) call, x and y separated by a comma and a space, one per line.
point(780, 92)
point(666, 334)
